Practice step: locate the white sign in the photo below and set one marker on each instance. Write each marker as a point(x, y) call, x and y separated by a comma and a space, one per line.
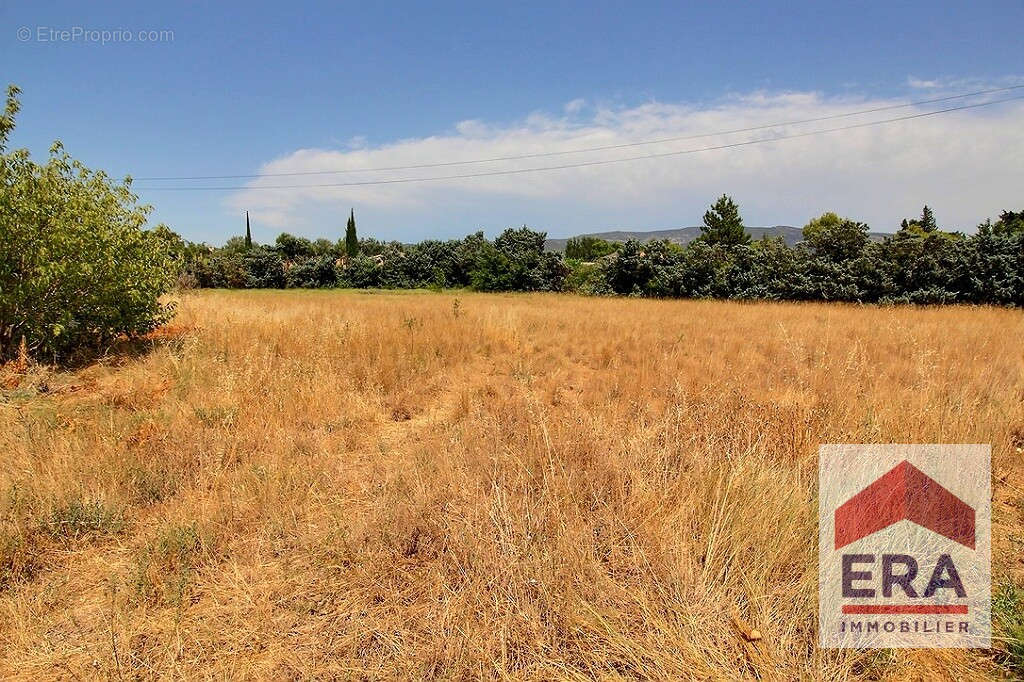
point(904, 546)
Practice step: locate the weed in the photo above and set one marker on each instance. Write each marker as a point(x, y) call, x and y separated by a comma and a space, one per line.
point(213, 417)
point(1008, 617)
point(81, 519)
point(148, 484)
point(18, 560)
point(164, 569)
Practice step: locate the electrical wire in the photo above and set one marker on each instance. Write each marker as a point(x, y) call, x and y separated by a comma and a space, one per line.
point(601, 162)
point(588, 149)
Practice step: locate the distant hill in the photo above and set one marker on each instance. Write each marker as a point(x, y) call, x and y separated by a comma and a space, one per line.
point(685, 235)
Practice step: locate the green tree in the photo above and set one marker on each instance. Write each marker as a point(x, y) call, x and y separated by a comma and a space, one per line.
point(835, 238)
point(77, 267)
point(517, 261)
point(323, 247)
point(351, 240)
point(248, 233)
point(293, 248)
point(928, 220)
point(1010, 222)
point(723, 224)
point(235, 245)
point(920, 226)
point(588, 248)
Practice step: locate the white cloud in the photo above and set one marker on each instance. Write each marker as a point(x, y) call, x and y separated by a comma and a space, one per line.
point(920, 83)
point(966, 164)
point(575, 106)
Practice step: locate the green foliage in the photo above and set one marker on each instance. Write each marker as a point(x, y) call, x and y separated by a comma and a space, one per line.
point(723, 224)
point(836, 261)
point(77, 518)
point(921, 227)
point(248, 233)
point(1008, 614)
point(588, 248)
point(264, 269)
point(363, 272)
point(351, 240)
point(837, 239)
point(367, 247)
point(517, 261)
point(236, 245)
point(293, 248)
point(312, 273)
point(928, 220)
point(631, 269)
point(586, 278)
point(323, 247)
point(1010, 222)
point(77, 269)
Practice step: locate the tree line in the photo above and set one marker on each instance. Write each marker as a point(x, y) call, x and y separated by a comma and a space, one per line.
point(79, 268)
point(835, 261)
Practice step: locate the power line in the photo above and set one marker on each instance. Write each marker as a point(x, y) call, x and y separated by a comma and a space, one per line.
point(583, 164)
point(587, 149)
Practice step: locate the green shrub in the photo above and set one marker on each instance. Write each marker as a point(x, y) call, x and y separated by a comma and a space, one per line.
point(164, 569)
point(1008, 613)
point(585, 278)
point(265, 269)
point(76, 518)
point(312, 273)
point(77, 269)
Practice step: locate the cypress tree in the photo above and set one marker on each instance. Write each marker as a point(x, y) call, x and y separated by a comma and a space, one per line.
point(248, 234)
point(351, 240)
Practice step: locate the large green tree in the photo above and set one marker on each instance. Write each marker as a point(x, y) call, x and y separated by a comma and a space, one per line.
point(723, 224)
point(1010, 222)
point(834, 237)
point(77, 267)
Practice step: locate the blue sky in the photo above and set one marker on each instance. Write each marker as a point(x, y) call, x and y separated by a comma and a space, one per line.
point(290, 87)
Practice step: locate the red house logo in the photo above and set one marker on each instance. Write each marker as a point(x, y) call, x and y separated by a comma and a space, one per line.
point(904, 493)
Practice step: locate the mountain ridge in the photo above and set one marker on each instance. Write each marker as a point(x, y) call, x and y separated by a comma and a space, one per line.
point(685, 235)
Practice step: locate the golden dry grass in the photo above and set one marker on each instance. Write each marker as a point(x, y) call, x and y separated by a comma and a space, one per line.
point(461, 486)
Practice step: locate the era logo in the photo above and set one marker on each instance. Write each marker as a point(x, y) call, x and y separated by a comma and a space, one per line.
point(944, 576)
point(904, 546)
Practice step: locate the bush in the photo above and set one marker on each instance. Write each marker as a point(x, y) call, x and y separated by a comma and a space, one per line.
point(585, 278)
point(264, 268)
point(77, 269)
point(312, 273)
point(362, 272)
point(517, 261)
point(1008, 613)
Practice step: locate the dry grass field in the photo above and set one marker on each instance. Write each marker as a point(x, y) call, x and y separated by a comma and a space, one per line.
point(360, 485)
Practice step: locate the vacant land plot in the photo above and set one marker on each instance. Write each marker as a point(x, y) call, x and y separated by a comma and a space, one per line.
point(290, 484)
